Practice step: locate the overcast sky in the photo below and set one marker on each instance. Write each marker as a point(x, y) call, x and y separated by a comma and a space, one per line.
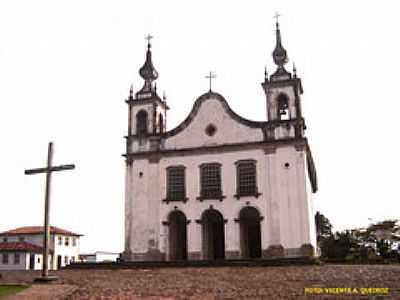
point(66, 68)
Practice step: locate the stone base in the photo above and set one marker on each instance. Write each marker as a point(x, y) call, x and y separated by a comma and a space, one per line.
point(307, 250)
point(274, 251)
point(151, 255)
point(195, 255)
point(45, 279)
point(232, 254)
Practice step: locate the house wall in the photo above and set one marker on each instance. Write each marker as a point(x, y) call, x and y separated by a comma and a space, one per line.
point(11, 262)
point(65, 251)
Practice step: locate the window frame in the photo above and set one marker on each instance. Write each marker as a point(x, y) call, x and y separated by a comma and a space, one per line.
point(207, 195)
point(5, 258)
point(169, 196)
point(17, 258)
point(239, 185)
point(283, 107)
point(142, 123)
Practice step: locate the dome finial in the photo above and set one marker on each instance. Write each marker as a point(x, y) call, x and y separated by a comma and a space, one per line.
point(265, 73)
point(164, 96)
point(131, 92)
point(294, 71)
point(148, 72)
point(279, 54)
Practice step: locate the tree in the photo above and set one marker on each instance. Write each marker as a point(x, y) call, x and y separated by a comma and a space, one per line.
point(323, 226)
point(338, 245)
point(383, 235)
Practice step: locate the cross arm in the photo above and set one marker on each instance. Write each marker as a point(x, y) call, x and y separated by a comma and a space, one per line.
point(52, 169)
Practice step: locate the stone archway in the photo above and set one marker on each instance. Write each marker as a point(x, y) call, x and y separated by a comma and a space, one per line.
point(213, 235)
point(177, 234)
point(250, 232)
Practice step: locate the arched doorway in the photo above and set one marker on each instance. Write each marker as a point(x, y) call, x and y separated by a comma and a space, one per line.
point(213, 234)
point(250, 232)
point(177, 235)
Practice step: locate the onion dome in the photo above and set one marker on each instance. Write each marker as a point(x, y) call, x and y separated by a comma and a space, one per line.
point(148, 72)
point(279, 54)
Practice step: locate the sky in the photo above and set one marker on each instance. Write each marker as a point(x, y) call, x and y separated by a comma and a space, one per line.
point(66, 68)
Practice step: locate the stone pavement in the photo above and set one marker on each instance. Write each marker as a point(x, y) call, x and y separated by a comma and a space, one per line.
point(224, 282)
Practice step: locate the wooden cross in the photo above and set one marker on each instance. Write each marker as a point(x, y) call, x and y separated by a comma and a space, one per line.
point(48, 170)
point(211, 76)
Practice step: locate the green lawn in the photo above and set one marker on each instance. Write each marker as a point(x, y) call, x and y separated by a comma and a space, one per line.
point(10, 289)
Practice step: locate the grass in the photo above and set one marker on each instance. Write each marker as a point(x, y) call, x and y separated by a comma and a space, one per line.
point(10, 289)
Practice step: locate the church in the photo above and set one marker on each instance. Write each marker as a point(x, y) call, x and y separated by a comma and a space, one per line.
point(219, 186)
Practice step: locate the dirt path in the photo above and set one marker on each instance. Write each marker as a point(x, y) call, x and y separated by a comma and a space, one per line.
point(44, 292)
point(289, 282)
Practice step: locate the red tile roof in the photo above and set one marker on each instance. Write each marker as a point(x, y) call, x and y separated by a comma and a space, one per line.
point(38, 230)
point(20, 246)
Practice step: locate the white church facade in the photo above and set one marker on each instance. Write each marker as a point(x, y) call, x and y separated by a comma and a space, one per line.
point(219, 186)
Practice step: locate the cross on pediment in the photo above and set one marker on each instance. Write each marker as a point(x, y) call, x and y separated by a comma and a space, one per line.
point(211, 76)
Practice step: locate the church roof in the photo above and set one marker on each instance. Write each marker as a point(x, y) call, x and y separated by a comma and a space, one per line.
point(38, 230)
point(21, 247)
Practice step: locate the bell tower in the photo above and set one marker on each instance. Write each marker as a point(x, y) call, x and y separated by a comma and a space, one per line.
point(147, 111)
point(283, 90)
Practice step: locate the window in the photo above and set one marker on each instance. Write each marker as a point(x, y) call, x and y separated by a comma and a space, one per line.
point(141, 123)
point(210, 181)
point(161, 123)
point(176, 190)
point(66, 260)
point(16, 258)
point(66, 241)
point(60, 240)
point(5, 240)
point(5, 258)
point(74, 241)
point(283, 107)
point(246, 182)
point(21, 239)
point(38, 260)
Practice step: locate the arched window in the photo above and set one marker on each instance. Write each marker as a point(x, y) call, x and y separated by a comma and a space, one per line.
point(283, 107)
point(141, 123)
point(161, 123)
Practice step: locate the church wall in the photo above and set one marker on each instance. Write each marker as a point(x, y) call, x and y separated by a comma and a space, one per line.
point(292, 198)
point(142, 210)
point(229, 207)
point(283, 203)
point(228, 130)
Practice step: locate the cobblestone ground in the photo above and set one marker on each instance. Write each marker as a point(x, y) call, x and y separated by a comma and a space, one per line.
point(224, 282)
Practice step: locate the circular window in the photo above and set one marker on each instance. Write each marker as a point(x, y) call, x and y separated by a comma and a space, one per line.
point(211, 130)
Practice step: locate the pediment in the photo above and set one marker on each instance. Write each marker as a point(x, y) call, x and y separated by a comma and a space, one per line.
point(212, 123)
